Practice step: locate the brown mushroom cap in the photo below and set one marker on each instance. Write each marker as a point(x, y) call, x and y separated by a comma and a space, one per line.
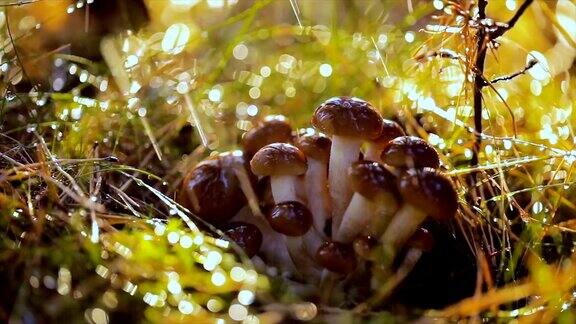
point(336, 257)
point(430, 191)
point(421, 240)
point(349, 117)
point(278, 159)
point(410, 151)
point(390, 130)
point(371, 179)
point(274, 129)
point(291, 218)
point(246, 235)
point(315, 146)
point(212, 191)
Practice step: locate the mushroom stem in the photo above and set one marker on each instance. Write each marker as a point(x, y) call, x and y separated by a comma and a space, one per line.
point(411, 258)
point(355, 219)
point(284, 188)
point(343, 153)
point(317, 193)
point(279, 253)
point(366, 216)
point(312, 241)
point(402, 226)
point(328, 280)
point(306, 266)
point(388, 205)
point(372, 153)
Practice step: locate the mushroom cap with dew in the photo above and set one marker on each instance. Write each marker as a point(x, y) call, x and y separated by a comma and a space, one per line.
point(246, 235)
point(421, 240)
point(274, 129)
point(336, 257)
point(410, 152)
point(371, 179)
point(315, 146)
point(212, 191)
point(431, 191)
point(348, 117)
point(291, 218)
point(278, 159)
point(390, 131)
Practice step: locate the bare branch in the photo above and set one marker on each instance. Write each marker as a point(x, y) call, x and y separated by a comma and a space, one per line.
point(482, 4)
point(528, 66)
point(482, 36)
point(519, 13)
point(506, 27)
point(479, 81)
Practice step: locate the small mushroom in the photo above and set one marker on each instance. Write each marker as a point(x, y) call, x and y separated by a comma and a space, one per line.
point(274, 251)
point(364, 245)
point(274, 129)
point(337, 257)
point(290, 218)
point(246, 235)
point(317, 150)
point(283, 163)
point(338, 260)
point(349, 121)
point(426, 192)
point(293, 219)
point(374, 197)
point(422, 240)
point(212, 190)
point(408, 152)
point(390, 131)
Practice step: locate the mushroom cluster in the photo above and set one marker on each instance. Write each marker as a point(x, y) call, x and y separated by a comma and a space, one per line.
point(316, 203)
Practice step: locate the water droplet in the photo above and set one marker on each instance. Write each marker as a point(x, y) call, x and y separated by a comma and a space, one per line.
point(31, 128)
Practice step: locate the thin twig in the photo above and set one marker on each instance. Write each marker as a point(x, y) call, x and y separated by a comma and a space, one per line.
point(528, 66)
point(479, 81)
point(15, 49)
point(504, 28)
point(483, 38)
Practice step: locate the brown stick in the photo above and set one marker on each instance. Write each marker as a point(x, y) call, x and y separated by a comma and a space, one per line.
point(483, 38)
point(528, 66)
point(479, 80)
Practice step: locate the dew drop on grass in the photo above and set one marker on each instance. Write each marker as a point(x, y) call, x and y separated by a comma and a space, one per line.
point(175, 38)
point(537, 207)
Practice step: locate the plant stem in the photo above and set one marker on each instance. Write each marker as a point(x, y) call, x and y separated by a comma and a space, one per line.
point(479, 80)
point(483, 37)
